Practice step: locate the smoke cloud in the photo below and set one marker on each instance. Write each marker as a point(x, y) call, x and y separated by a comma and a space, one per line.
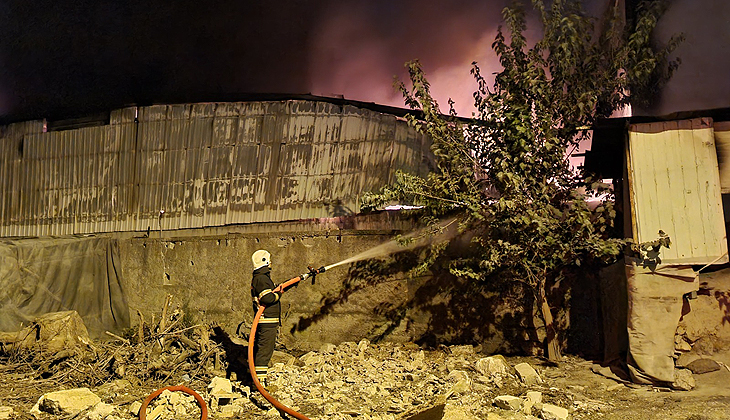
point(358, 47)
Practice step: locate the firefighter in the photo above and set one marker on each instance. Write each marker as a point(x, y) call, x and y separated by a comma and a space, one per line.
point(263, 293)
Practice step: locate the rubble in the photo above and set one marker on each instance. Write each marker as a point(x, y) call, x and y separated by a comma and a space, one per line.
point(364, 380)
point(6, 412)
point(553, 412)
point(492, 366)
point(527, 374)
point(508, 402)
point(67, 403)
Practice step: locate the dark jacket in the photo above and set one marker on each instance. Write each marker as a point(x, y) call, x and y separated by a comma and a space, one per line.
point(262, 293)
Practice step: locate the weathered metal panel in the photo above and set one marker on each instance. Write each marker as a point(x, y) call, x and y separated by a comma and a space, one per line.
point(675, 187)
point(206, 164)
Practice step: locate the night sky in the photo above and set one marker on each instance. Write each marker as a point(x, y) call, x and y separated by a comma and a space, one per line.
point(61, 59)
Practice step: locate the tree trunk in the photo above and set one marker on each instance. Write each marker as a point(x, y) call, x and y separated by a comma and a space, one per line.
point(553, 349)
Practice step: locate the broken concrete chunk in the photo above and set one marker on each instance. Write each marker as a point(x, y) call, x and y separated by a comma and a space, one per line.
point(218, 386)
point(553, 412)
point(311, 358)
point(6, 412)
point(508, 402)
point(328, 348)
point(534, 397)
point(453, 412)
point(527, 374)
point(683, 380)
point(701, 366)
point(461, 387)
point(67, 402)
point(134, 408)
point(493, 365)
point(229, 411)
point(100, 411)
point(457, 375)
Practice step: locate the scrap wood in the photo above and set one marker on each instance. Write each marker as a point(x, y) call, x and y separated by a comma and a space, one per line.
point(140, 328)
point(110, 334)
point(163, 319)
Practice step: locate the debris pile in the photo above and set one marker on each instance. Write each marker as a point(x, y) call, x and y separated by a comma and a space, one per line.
point(364, 381)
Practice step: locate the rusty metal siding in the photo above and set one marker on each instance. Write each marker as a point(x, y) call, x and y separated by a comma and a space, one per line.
point(208, 164)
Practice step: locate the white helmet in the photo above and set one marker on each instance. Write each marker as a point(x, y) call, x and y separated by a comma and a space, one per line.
point(260, 258)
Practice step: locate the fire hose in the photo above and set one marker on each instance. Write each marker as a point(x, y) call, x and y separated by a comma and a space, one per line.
point(281, 289)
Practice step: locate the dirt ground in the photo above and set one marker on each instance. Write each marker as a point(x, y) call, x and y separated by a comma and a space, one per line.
point(572, 384)
point(709, 400)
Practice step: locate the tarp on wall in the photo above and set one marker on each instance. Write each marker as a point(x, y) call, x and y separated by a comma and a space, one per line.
point(655, 306)
point(39, 276)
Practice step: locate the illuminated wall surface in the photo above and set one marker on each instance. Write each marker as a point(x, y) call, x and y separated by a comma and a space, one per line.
point(675, 186)
point(208, 164)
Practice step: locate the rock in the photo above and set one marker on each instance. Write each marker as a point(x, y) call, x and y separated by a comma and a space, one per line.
point(683, 380)
point(508, 402)
point(65, 403)
point(682, 346)
point(311, 358)
point(134, 408)
point(701, 366)
point(461, 387)
point(418, 360)
point(6, 412)
point(452, 412)
point(534, 397)
point(61, 334)
point(282, 357)
point(229, 411)
point(493, 365)
point(457, 375)
point(362, 346)
point(553, 412)
point(527, 374)
point(328, 348)
point(462, 350)
point(218, 386)
point(100, 411)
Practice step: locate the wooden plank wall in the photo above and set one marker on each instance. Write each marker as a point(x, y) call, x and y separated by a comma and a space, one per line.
point(675, 187)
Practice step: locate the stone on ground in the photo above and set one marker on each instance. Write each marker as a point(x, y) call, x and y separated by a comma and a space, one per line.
point(493, 365)
point(219, 386)
point(100, 411)
point(508, 402)
point(453, 412)
point(701, 366)
point(135, 407)
point(65, 403)
point(553, 412)
point(5, 412)
point(527, 374)
point(683, 380)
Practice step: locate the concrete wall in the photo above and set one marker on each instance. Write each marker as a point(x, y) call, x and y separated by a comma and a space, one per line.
point(209, 273)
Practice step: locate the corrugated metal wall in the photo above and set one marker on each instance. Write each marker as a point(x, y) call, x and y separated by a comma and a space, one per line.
point(675, 186)
point(208, 164)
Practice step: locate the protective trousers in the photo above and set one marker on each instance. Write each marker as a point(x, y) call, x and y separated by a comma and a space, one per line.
point(263, 349)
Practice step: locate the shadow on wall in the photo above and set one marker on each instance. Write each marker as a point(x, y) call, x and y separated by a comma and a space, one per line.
point(723, 299)
point(336, 208)
point(440, 308)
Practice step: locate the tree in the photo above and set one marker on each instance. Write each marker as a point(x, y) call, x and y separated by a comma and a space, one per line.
point(505, 173)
